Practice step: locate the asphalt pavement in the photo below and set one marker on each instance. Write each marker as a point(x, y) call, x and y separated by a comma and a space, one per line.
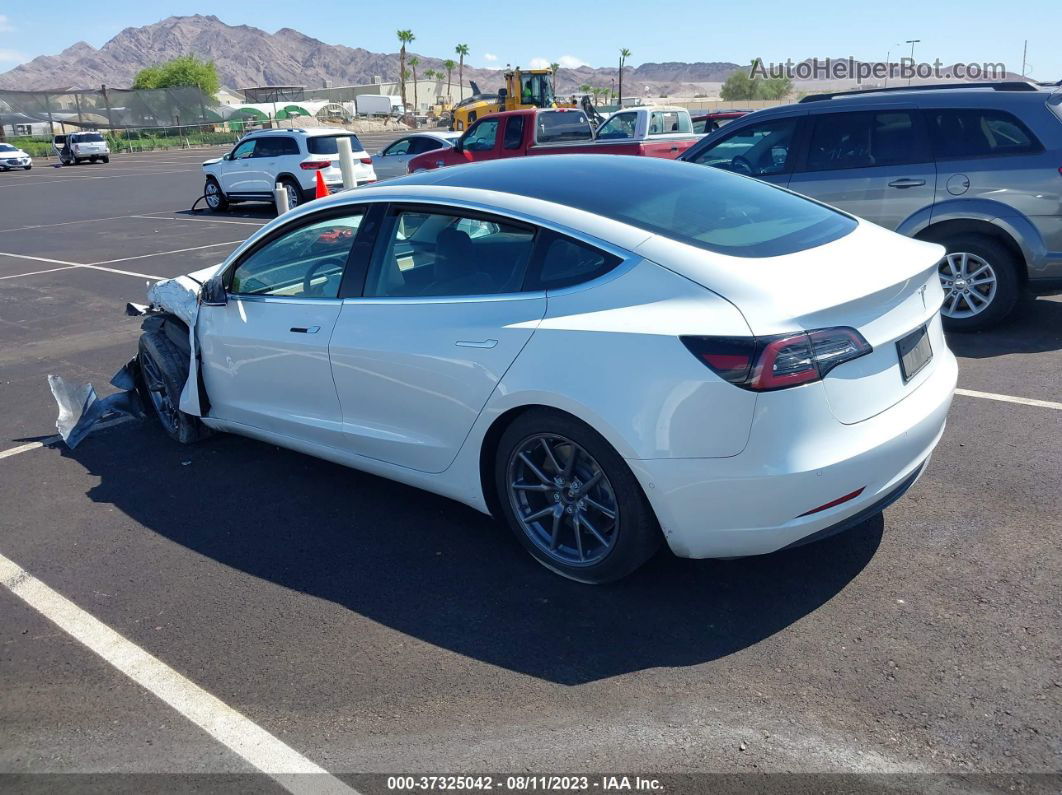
point(368, 627)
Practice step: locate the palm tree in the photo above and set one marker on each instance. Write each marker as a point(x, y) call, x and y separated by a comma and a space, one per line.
point(462, 51)
point(406, 37)
point(449, 63)
point(414, 62)
point(624, 55)
point(585, 88)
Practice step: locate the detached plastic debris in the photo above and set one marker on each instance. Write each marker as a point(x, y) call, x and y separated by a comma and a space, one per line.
point(80, 410)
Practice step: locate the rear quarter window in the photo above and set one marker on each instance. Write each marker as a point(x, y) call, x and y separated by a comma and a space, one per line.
point(978, 132)
point(559, 126)
point(327, 144)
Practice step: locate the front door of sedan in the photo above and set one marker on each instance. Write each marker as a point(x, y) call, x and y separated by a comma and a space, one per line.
point(440, 320)
point(874, 164)
point(265, 351)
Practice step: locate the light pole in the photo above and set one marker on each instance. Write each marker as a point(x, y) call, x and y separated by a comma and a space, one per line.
point(912, 42)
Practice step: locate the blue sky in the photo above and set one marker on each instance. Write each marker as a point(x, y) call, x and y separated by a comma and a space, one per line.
point(592, 31)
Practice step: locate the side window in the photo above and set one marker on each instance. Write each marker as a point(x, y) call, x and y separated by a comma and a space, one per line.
point(437, 254)
point(267, 147)
point(619, 126)
point(287, 146)
point(514, 132)
point(562, 262)
point(483, 136)
point(862, 140)
point(559, 125)
point(305, 263)
point(755, 150)
point(400, 147)
point(244, 150)
point(662, 122)
point(958, 132)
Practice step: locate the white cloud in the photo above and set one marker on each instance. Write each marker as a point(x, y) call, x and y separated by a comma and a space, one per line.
point(571, 62)
point(489, 56)
point(566, 61)
point(7, 56)
point(5, 24)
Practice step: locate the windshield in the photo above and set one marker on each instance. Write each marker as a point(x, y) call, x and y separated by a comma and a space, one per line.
point(536, 90)
point(7, 148)
point(328, 144)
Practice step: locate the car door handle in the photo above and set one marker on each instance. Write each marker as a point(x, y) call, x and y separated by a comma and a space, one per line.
point(476, 343)
point(305, 329)
point(906, 182)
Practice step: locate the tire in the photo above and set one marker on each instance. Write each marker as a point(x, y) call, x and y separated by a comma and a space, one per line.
point(991, 294)
point(106, 158)
point(604, 549)
point(163, 371)
point(215, 197)
point(93, 159)
point(28, 168)
point(294, 190)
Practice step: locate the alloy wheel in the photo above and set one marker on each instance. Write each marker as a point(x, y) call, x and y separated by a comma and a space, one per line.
point(160, 396)
point(293, 196)
point(213, 195)
point(563, 500)
point(969, 283)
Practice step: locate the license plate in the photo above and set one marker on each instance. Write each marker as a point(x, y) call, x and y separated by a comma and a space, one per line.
point(915, 352)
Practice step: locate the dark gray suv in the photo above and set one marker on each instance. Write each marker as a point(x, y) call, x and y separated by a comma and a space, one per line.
point(977, 168)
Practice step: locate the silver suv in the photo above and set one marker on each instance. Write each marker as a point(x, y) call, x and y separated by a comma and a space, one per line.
point(977, 168)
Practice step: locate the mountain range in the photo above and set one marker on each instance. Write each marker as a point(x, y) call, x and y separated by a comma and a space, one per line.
point(248, 56)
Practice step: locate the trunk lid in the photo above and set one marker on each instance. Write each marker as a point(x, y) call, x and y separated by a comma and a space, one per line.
point(881, 284)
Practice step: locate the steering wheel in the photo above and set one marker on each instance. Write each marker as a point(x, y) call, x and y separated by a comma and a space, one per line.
point(741, 165)
point(310, 289)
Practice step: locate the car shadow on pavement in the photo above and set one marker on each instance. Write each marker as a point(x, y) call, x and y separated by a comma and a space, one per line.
point(443, 573)
point(1035, 327)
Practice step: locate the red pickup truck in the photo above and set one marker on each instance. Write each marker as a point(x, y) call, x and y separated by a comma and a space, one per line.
point(552, 131)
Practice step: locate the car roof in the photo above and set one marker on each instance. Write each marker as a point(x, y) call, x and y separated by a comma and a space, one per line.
point(307, 131)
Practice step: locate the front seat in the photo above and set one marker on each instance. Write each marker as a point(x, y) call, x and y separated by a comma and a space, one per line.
point(454, 267)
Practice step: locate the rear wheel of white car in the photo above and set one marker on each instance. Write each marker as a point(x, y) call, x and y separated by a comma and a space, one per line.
point(980, 281)
point(215, 199)
point(572, 500)
point(163, 371)
point(106, 158)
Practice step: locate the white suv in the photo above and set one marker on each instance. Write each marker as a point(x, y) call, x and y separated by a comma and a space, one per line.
point(77, 147)
point(291, 158)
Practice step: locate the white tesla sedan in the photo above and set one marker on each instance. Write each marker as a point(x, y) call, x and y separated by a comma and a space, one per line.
point(603, 352)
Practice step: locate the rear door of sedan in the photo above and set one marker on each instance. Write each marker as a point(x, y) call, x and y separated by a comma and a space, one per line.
point(441, 316)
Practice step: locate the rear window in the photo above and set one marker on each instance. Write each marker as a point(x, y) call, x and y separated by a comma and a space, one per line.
point(958, 132)
point(327, 144)
point(663, 122)
point(556, 126)
point(88, 138)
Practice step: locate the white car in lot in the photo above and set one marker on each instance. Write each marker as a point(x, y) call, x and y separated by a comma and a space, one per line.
point(290, 158)
point(13, 157)
point(603, 352)
point(392, 160)
point(75, 148)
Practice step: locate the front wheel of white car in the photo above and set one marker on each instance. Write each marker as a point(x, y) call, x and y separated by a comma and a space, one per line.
point(571, 499)
point(163, 371)
point(215, 198)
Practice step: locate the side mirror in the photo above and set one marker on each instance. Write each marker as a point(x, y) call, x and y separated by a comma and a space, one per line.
point(227, 156)
point(213, 293)
point(459, 144)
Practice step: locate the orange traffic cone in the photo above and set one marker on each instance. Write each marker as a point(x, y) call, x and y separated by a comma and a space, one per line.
point(322, 189)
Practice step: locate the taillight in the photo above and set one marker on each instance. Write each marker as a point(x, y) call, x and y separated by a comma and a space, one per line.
point(367, 161)
point(314, 165)
point(762, 364)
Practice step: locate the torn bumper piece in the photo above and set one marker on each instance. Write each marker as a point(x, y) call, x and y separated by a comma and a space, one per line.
point(80, 410)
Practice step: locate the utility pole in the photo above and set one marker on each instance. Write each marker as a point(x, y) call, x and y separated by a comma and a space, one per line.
point(912, 42)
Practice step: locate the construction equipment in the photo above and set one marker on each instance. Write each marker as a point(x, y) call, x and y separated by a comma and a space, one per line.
point(524, 88)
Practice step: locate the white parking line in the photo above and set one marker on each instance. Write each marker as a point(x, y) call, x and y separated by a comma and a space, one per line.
point(124, 273)
point(1044, 404)
point(38, 273)
point(25, 448)
point(200, 220)
point(164, 253)
point(293, 771)
point(38, 259)
point(80, 179)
